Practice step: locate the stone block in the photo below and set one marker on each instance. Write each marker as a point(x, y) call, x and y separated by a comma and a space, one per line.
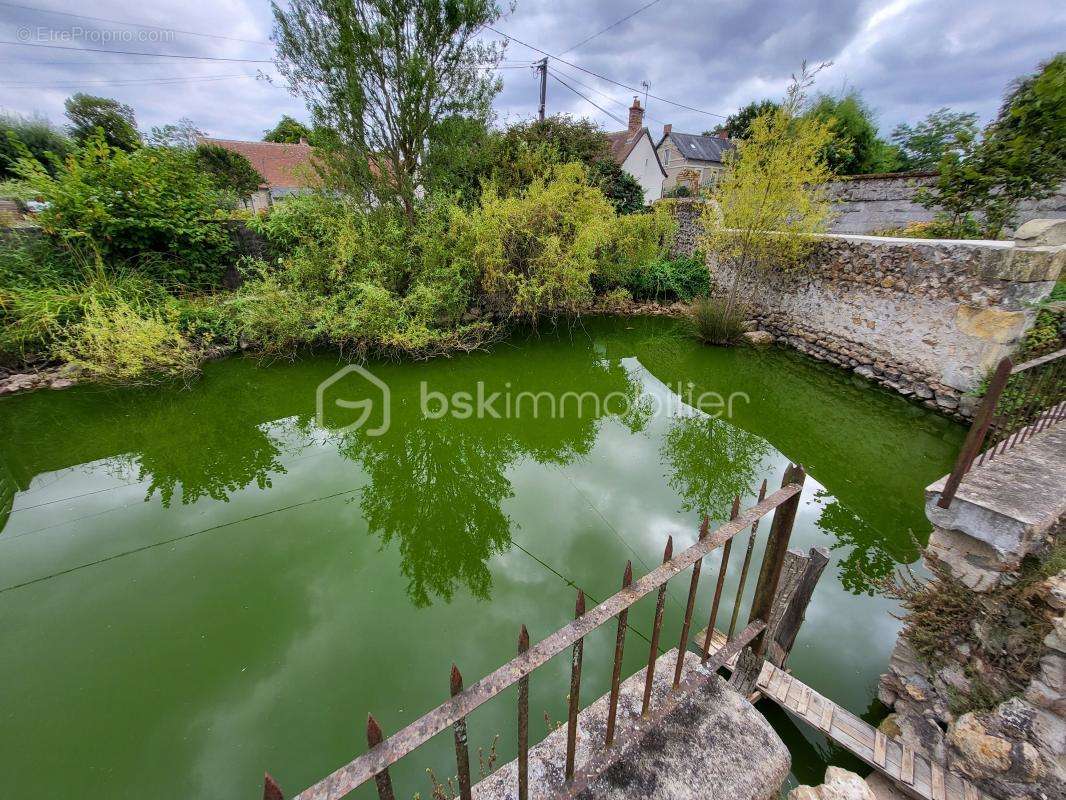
point(990, 324)
point(684, 756)
point(1037, 232)
point(839, 785)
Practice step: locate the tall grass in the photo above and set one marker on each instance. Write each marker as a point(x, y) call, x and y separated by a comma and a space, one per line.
point(714, 321)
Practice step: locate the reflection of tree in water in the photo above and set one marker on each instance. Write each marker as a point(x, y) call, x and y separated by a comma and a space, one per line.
point(212, 468)
point(438, 490)
point(7, 495)
point(869, 559)
point(710, 462)
point(437, 486)
point(211, 452)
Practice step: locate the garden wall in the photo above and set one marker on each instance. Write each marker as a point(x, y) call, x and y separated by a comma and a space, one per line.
point(869, 203)
point(926, 318)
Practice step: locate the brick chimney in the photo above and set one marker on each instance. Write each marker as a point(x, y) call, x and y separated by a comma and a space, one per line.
point(666, 130)
point(723, 134)
point(636, 116)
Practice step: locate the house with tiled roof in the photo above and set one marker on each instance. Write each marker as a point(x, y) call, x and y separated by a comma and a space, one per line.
point(634, 150)
point(286, 168)
point(691, 159)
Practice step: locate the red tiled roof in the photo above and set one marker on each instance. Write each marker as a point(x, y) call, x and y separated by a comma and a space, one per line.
point(283, 166)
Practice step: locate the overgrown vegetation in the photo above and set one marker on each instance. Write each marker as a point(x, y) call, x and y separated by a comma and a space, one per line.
point(1021, 155)
point(769, 202)
point(999, 631)
point(713, 322)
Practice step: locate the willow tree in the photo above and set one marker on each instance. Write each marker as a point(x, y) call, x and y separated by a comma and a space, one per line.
point(379, 75)
point(770, 202)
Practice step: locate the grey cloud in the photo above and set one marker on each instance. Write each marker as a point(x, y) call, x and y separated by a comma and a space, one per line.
point(711, 55)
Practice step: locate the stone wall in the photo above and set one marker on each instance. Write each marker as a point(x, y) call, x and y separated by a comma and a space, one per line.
point(869, 203)
point(951, 705)
point(926, 318)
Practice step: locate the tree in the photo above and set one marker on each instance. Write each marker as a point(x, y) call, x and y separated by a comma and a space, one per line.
point(738, 124)
point(287, 131)
point(617, 185)
point(528, 150)
point(460, 158)
point(183, 135)
point(1021, 156)
point(771, 200)
point(855, 148)
point(87, 112)
point(228, 170)
point(922, 146)
point(383, 75)
point(33, 137)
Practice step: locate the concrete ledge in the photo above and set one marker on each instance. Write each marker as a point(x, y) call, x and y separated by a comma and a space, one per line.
point(1010, 502)
point(714, 746)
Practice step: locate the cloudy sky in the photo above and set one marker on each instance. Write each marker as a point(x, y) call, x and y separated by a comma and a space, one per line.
point(908, 57)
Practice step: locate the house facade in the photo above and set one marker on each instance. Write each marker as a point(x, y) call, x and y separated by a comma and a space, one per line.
point(634, 150)
point(691, 159)
point(286, 168)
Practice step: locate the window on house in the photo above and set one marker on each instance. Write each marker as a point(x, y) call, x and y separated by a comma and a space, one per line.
point(666, 156)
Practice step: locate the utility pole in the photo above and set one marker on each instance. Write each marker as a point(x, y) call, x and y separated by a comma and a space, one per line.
point(542, 68)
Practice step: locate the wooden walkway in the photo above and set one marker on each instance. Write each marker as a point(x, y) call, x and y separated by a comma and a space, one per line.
point(911, 772)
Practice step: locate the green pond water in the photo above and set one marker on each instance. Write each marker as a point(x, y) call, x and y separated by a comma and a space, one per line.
point(199, 584)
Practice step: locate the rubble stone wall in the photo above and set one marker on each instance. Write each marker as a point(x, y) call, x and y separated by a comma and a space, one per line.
point(869, 203)
point(1013, 748)
point(927, 318)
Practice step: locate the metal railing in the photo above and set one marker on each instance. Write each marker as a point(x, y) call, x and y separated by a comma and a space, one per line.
point(1021, 401)
point(383, 753)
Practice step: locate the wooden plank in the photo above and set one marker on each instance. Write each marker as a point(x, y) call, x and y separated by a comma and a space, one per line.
point(826, 723)
point(767, 672)
point(804, 701)
point(781, 693)
point(880, 749)
point(906, 768)
point(936, 783)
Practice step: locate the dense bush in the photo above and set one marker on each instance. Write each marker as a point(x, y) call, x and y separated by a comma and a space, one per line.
point(145, 210)
point(670, 279)
point(537, 252)
point(35, 137)
point(117, 342)
point(360, 280)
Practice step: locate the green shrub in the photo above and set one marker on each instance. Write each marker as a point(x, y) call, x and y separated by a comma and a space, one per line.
point(938, 228)
point(146, 210)
point(116, 342)
point(361, 280)
point(714, 321)
point(537, 251)
point(678, 279)
point(635, 240)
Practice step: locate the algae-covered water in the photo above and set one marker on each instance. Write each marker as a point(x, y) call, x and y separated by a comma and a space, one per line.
point(199, 584)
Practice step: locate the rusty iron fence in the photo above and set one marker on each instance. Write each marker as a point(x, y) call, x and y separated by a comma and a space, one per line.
point(1021, 401)
point(373, 765)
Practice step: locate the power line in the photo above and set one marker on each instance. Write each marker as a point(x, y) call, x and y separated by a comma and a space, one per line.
point(133, 24)
point(586, 99)
point(607, 96)
point(612, 25)
point(137, 53)
point(144, 82)
point(604, 77)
